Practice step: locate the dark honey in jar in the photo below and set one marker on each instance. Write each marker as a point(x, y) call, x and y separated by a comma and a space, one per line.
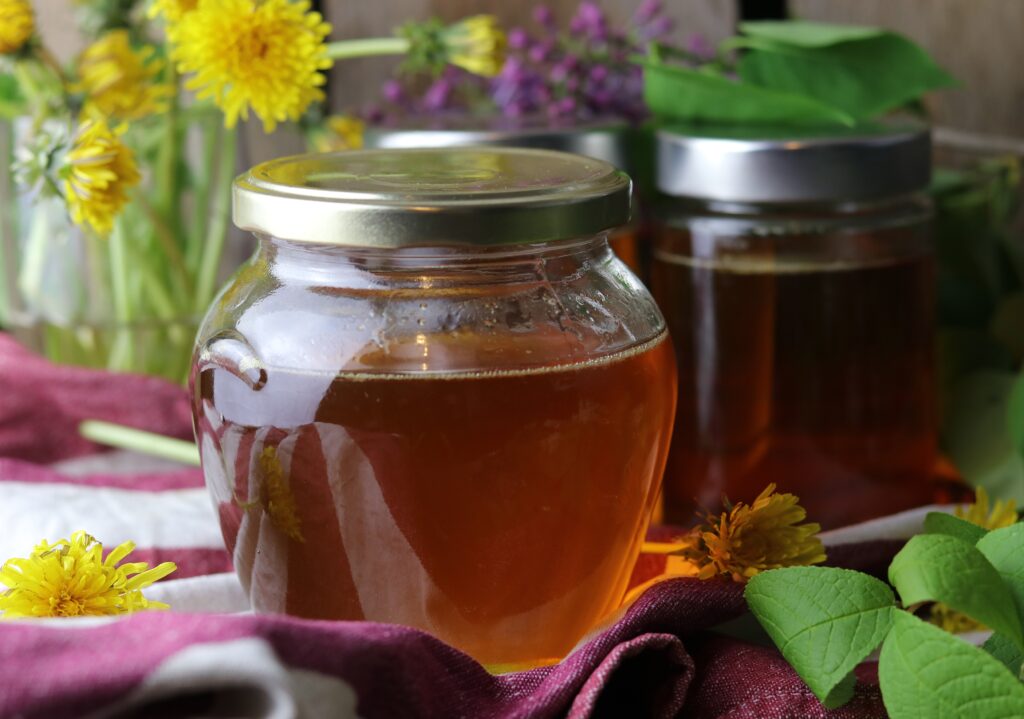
point(798, 286)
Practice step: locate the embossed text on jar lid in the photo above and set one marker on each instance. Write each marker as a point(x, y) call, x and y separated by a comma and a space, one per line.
point(432, 197)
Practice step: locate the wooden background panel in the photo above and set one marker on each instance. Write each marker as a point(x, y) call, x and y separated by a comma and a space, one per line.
point(978, 41)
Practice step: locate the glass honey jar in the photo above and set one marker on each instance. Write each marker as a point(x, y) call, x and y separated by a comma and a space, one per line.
point(434, 396)
point(614, 141)
point(796, 275)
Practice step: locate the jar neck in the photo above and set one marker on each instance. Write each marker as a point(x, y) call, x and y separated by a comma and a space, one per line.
point(837, 207)
point(808, 218)
point(425, 266)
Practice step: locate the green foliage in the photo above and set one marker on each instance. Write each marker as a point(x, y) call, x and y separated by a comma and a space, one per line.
point(981, 320)
point(678, 92)
point(940, 568)
point(865, 77)
point(926, 672)
point(942, 523)
point(12, 101)
point(977, 436)
point(1003, 648)
point(1004, 549)
point(1015, 414)
point(824, 620)
point(801, 33)
point(797, 73)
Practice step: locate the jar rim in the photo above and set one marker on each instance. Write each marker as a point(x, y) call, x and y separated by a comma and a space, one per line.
point(475, 196)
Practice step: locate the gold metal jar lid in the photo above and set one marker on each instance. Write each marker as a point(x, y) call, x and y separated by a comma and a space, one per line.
point(432, 197)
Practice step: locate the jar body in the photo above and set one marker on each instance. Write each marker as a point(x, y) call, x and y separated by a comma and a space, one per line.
point(467, 442)
point(804, 337)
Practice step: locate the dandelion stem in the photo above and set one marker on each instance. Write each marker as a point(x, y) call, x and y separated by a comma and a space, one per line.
point(217, 228)
point(344, 49)
point(167, 162)
point(122, 353)
point(137, 440)
point(209, 127)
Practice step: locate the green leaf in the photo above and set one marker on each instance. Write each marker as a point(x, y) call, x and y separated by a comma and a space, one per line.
point(12, 101)
point(976, 434)
point(1008, 323)
point(926, 672)
point(864, 77)
point(825, 621)
point(807, 34)
point(1003, 649)
point(1004, 549)
point(939, 568)
point(943, 523)
point(678, 93)
point(1015, 414)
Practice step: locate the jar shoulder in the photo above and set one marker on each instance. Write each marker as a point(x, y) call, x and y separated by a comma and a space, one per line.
point(373, 322)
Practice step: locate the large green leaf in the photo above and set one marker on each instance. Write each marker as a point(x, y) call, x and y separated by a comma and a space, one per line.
point(805, 33)
point(943, 523)
point(825, 621)
point(925, 672)
point(940, 568)
point(1003, 649)
point(1004, 549)
point(679, 93)
point(863, 77)
point(977, 436)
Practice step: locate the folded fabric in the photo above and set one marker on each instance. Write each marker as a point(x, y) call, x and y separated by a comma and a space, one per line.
point(210, 657)
point(42, 404)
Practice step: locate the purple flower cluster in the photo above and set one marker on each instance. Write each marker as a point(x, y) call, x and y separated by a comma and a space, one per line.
point(570, 76)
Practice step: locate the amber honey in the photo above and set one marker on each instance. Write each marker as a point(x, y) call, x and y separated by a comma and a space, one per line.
point(625, 242)
point(815, 375)
point(501, 511)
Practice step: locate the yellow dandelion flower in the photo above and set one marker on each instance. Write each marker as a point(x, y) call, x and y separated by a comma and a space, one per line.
point(341, 132)
point(1002, 514)
point(476, 44)
point(765, 535)
point(71, 578)
point(276, 496)
point(746, 540)
point(267, 55)
point(121, 81)
point(172, 10)
point(99, 171)
point(951, 620)
point(17, 24)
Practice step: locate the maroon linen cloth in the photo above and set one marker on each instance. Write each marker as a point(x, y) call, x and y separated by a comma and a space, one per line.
point(658, 659)
point(42, 404)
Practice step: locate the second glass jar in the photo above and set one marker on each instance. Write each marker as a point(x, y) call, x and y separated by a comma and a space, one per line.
point(797, 280)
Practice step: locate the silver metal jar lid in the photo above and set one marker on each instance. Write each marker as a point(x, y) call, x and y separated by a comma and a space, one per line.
point(432, 197)
point(608, 141)
point(763, 165)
